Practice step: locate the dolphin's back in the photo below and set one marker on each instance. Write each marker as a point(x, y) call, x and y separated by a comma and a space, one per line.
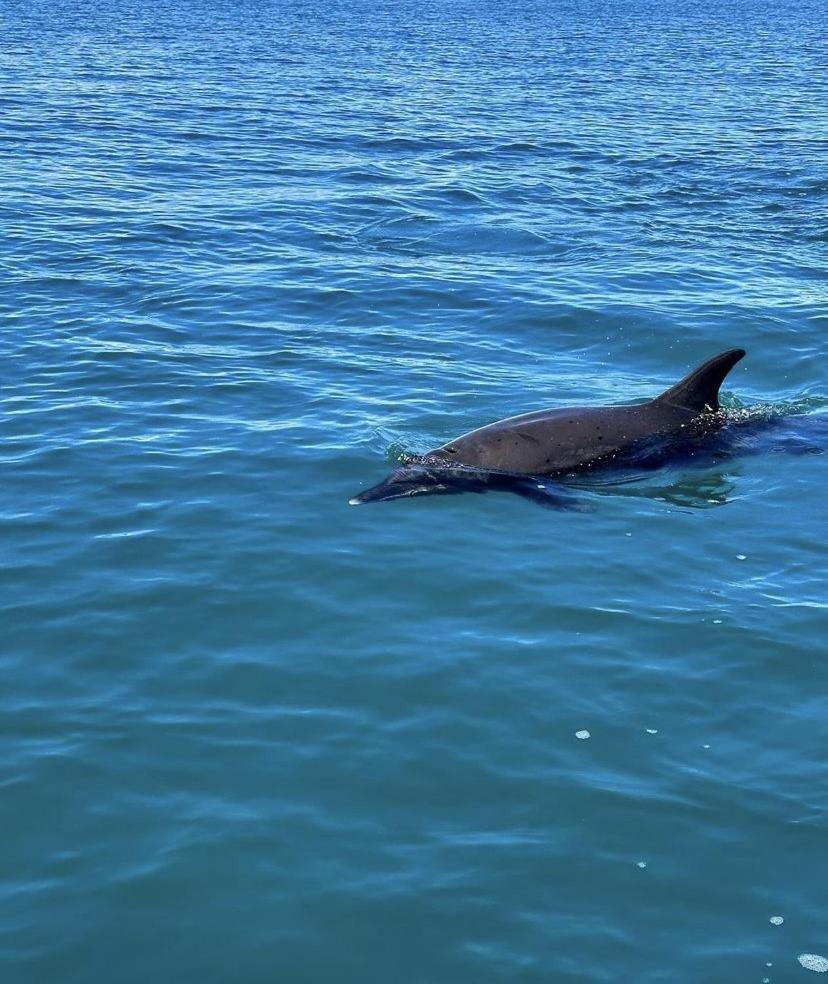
point(561, 440)
point(573, 438)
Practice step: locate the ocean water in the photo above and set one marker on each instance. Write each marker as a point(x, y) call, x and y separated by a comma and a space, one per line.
point(250, 254)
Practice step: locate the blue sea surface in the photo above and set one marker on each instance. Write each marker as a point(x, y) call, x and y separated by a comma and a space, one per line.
point(250, 255)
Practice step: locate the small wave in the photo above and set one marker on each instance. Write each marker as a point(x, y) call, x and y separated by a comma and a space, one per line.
point(458, 195)
point(359, 175)
point(413, 234)
point(412, 144)
point(737, 411)
point(480, 239)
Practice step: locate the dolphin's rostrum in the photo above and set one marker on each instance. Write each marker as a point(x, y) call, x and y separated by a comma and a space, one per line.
point(516, 454)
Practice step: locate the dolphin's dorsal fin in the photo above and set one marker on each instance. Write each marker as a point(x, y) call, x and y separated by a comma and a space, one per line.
point(699, 390)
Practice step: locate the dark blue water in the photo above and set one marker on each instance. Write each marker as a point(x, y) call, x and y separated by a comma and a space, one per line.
point(250, 254)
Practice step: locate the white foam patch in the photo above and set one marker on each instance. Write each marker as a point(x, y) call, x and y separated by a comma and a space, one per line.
point(124, 533)
point(741, 556)
point(652, 731)
point(641, 864)
point(813, 961)
point(582, 734)
point(776, 920)
point(354, 502)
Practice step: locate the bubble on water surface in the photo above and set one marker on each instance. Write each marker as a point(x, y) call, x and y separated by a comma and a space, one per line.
point(776, 920)
point(582, 734)
point(813, 961)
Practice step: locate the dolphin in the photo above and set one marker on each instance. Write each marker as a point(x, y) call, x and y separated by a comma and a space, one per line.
point(524, 454)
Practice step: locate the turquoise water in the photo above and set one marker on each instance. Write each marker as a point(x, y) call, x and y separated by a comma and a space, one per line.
point(250, 254)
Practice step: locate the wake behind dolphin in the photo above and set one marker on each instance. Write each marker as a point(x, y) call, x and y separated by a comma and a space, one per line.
point(520, 454)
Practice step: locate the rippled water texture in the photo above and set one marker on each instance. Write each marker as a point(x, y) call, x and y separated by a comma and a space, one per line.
point(250, 253)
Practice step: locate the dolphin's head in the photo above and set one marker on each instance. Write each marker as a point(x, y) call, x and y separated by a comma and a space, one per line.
point(416, 477)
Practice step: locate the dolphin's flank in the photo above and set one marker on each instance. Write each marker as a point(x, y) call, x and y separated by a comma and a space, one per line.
point(506, 454)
